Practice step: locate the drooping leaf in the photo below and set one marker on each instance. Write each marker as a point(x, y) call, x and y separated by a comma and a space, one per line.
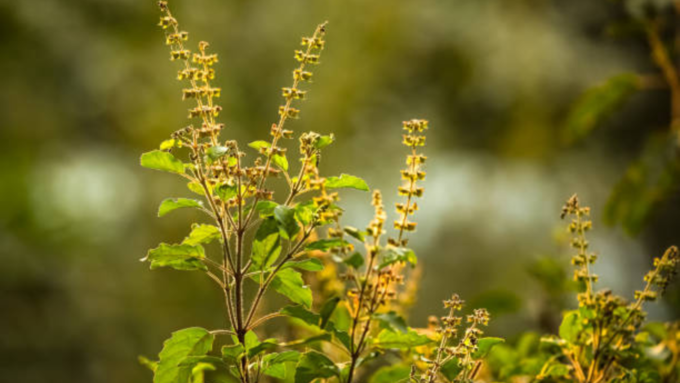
point(555, 369)
point(179, 257)
point(289, 283)
point(266, 245)
point(170, 144)
point(266, 208)
point(597, 104)
point(355, 260)
point(346, 181)
point(398, 254)
point(388, 339)
point(484, 346)
point(285, 217)
point(313, 365)
point(327, 310)
point(202, 233)
point(192, 341)
point(281, 161)
point(196, 188)
point(275, 364)
point(324, 141)
point(160, 160)
point(355, 233)
point(257, 145)
point(391, 374)
point(309, 264)
point(148, 363)
point(299, 312)
point(451, 369)
point(325, 244)
point(216, 152)
point(304, 212)
point(226, 191)
point(171, 204)
point(393, 321)
point(571, 326)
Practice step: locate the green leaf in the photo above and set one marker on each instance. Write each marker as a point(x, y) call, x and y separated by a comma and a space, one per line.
point(171, 204)
point(202, 233)
point(555, 370)
point(285, 217)
point(393, 321)
point(233, 352)
point(355, 260)
point(226, 191)
point(355, 233)
point(281, 161)
point(266, 245)
point(451, 369)
point(310, 264)
point(259, 144)
point(275, 363)
point(170, 144)
point(484, 345)
point(289, 282)
point(196, 187)
point(398, 340)
point(399, 254)
point(346, 181)
point(299, 312)
point(325, 244)
point(179, 257)
point(327, 310)
point(192, 341)
point(391, 374)
point(313, 365)
point(571, 326)
point(266, 208)
point(323, 141)
point(148, 363)
point(597, 104)
point(215, 152)
point(164, 161)
point(304, 212)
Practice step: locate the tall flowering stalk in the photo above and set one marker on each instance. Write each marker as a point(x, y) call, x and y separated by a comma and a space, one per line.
point(265, 242)
point(596, 341)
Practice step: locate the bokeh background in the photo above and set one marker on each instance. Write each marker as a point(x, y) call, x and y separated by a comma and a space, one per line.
point(87, 87)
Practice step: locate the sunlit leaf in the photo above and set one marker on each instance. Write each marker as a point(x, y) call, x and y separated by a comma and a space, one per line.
point(346, 181)
point(171, 204)
point(192, 341)
point(179, 257)
point(160, 160)
point(202, 233)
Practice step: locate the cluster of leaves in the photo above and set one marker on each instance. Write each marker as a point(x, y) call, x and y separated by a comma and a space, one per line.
point(650, 179)
point(268, 244)
point(605, 339)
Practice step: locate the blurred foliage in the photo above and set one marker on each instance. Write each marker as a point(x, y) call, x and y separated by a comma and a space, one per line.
point(86, 89)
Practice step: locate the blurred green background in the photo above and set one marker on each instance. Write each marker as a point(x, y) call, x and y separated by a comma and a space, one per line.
point(87, 87)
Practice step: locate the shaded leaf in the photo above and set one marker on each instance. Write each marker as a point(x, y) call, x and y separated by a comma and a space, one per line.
point(398, 340)
point(289, 282)
point(355, 260)
point(310, 264)
point(325, 244)
point(285, 217)
point(391, 374)
point(313, 365)
point(484, 346)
